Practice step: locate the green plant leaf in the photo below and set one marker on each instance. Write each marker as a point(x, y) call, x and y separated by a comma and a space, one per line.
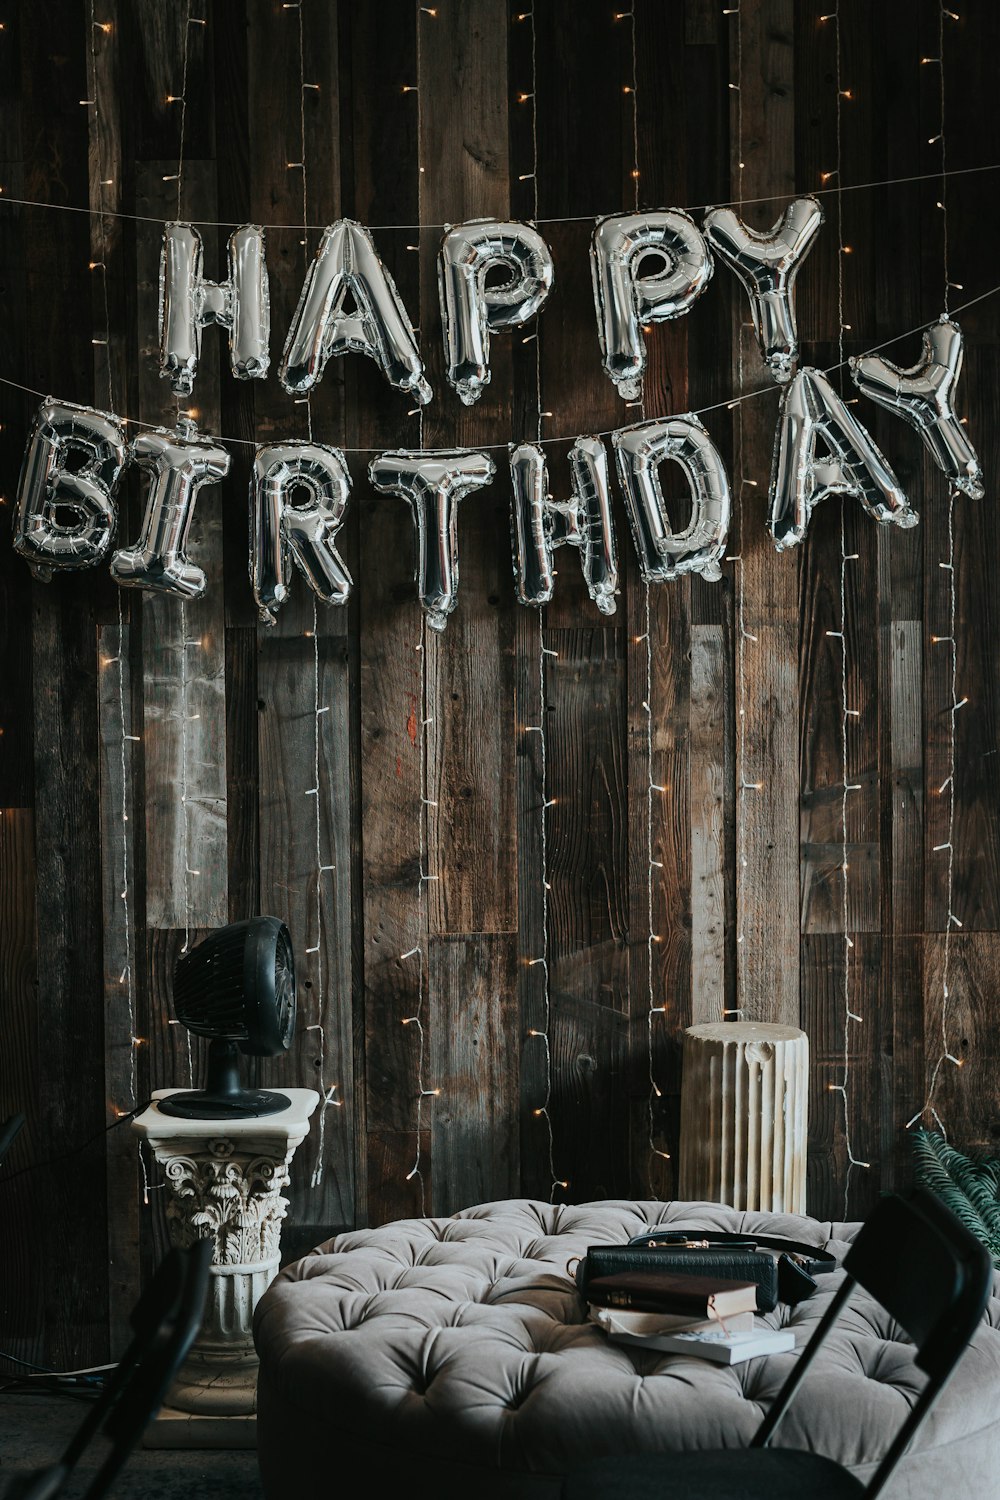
point(967, 1184)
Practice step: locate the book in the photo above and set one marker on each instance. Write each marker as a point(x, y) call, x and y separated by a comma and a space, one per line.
point(667, 1292)
point(724, 1348)
point(642, 1327)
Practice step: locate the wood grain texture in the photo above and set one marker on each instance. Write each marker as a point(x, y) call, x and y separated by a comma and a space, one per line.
point(651, 693)
point(766, 762)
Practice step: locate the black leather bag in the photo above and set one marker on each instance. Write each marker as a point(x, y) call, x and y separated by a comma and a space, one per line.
point(782, 1270)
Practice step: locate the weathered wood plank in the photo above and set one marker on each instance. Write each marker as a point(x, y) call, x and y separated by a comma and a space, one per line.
point(966, 1096)
point(382, 186)
point(183, 640)
point(70, 1000)
point(844, 1125)
point(472, 1013)
point(303, 682)
point(122, 987)
point(768, 883)
point(906, 774)
point(22, 1309)
point(708, 849)
point(471, 826)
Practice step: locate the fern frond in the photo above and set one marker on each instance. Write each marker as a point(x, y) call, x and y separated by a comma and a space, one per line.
point(967, 1184)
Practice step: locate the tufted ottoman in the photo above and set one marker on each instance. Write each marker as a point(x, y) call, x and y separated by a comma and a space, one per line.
point(453, 1357)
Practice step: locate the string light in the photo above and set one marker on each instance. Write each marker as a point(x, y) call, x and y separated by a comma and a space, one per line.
point(126, 737)
point(185, 426)
point(542, 1111)
point(744, 1007)
point(946, 1055)
point(419, 949)
point(653, 787)
point(850, 1016)
point(323, 867)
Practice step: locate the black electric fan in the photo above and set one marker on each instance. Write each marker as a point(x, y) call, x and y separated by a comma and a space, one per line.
point(237, 987)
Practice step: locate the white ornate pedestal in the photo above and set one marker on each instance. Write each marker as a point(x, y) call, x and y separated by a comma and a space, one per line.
point(744, 1099)
point(224, 1179)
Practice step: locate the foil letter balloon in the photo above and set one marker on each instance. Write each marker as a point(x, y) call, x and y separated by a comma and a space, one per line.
point(349, 304)
point(286, 529)
point(767, 265)
point(66, 517)
point(628, 294)
point(811, 410)
point(189, 303)
point(471, 310)
point(663, 553)
point(179, 464)
point(539, 524)
point(433, 484)
point(924, 397)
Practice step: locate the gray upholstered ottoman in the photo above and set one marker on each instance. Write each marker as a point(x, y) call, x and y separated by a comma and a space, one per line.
point(452, 1357)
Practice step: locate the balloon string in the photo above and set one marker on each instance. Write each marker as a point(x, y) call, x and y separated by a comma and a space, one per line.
point(778, 198)
point(731, 405)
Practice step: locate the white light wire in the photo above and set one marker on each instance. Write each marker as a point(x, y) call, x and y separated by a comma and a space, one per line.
point(186, 642)
point(126, 977)
point(851, 187)
point(314, 949)
point(742, 1007)
point(731, 405)
point(420, 949)
point(850, 1016)
point(946, 1055)
point(544, 1035)
point(652, 936)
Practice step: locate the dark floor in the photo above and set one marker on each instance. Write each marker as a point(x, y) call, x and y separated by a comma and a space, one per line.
point(35, 1429)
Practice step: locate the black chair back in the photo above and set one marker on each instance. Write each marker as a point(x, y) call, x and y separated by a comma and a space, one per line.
point(918, 1260)
point(9, 1131)
point(166, 1320)
point(928, 1271)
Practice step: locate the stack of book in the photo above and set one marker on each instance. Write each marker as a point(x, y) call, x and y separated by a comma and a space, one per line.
point(694, 1315)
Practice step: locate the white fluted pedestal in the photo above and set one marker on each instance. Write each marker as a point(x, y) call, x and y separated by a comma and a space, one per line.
point(224, 1179)
point(744, 1103)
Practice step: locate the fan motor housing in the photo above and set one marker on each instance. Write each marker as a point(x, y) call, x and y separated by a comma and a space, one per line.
point(239, 983)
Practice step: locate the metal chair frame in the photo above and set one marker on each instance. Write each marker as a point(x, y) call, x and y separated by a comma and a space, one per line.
point(166, 1320)
point(934, 1278)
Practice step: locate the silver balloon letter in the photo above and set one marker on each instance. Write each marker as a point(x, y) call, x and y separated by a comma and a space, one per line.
point(663, 553)
point(66, 518)
point(540, 524)
point(347, 273)
point(626, 298)
point(189, 303)
point(433, 483)
point(283, 530)
point(180, 463)
point(767, 265)
point(924, 397)
point(471, 310)
point(800, 478)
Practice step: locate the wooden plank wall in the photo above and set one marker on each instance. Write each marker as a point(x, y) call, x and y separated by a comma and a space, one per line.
point(466, 1070)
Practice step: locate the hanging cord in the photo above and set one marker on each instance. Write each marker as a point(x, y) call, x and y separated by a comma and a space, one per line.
point(947, 787)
